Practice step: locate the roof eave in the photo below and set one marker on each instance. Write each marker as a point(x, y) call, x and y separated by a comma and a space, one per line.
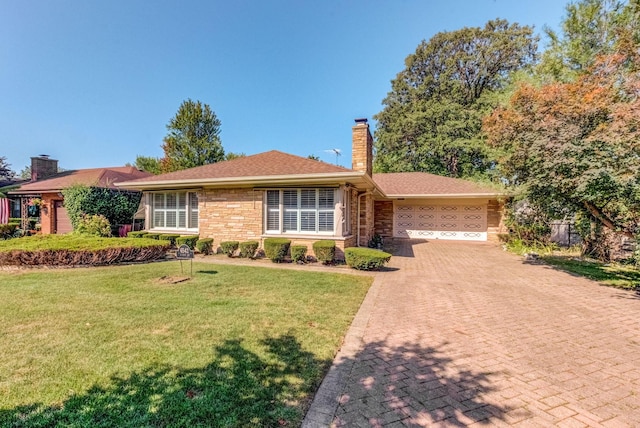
point(33, 192)
point(359, 179)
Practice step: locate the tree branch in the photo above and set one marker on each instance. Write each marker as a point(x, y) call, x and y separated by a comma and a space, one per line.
point(604, 219)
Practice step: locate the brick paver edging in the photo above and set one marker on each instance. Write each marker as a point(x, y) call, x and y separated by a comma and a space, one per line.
point(325, 403)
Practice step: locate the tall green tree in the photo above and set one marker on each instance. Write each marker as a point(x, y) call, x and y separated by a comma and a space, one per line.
point(5, 170)
point(591, 28)
point(193, 138)
point(149, 164)
point(432, 118)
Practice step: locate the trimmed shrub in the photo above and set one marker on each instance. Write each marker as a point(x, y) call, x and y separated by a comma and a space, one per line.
point(276, 249)
point(171, 237)
point(325, 251)
point(248, 249)
point(229, 247)
point(298, 253)
point(189, 240)
point(205, 245)
point(17, 220)
point(366, 258)
point(93, 225)
point(152, 236)
point(138, 234)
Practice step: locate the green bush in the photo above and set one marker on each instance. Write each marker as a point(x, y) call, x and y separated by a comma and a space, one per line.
point(325, 251)
point(171, 237)
point(298, 253)
point(276, 249)
point(152, 236)
point(137, 234)
point(366, 258)
point(7, 230)
point(229, 247)
point(17, 220)
point(117, 205)
point(204, 245)
point(189, 241)
point(93, 225)
point(248, 249)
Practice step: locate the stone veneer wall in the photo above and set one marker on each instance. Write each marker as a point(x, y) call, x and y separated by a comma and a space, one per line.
point(383, 218)
point(495, 223)
point(230, 215)
point(366, 219)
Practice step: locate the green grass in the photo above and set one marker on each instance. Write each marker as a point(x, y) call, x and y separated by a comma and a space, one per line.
point(612, 274)
point(117, 346)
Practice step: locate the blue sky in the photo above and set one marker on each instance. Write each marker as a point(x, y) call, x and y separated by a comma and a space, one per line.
point(94, 83)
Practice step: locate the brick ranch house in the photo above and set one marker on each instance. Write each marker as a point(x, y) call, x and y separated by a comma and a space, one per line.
point(275, 194)
point(47, 185)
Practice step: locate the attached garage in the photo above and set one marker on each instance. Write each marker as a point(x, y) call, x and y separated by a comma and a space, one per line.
point(418, 205)
point(441, 220)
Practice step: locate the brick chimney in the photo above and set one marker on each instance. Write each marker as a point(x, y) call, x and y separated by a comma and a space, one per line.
point(42, 167)
point(361, 147)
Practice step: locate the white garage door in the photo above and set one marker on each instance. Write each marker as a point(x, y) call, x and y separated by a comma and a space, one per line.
point(463, 222)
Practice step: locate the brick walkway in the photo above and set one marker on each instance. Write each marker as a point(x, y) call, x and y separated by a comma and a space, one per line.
point(464, 334)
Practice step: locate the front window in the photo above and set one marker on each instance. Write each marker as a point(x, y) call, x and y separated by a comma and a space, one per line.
point(300, 211)
point(174, 210)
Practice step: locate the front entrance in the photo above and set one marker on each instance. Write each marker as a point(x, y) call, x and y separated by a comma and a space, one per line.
point(450, 221)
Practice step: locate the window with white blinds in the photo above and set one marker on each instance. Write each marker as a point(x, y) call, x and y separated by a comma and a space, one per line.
point(174, 210)
point(301, 210)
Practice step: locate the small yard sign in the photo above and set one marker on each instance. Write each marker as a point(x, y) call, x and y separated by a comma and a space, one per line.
point(185, 253)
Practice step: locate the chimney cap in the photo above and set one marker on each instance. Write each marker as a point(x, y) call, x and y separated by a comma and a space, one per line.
point(361, 121)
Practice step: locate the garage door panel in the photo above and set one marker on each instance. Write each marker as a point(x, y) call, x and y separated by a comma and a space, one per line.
point(441, 221)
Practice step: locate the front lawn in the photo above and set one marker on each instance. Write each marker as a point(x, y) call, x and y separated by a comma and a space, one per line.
point(612, 274)
point(126, 346)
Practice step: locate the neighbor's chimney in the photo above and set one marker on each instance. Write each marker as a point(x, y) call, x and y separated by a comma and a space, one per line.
point(42, 167)
point(362, 147)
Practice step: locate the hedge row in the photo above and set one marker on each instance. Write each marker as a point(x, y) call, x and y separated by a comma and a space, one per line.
point(106, 256)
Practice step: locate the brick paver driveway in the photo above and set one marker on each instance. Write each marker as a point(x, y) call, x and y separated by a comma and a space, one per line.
point(465, 334)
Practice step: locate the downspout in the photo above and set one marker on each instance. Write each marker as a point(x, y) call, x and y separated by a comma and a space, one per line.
point(358, 233)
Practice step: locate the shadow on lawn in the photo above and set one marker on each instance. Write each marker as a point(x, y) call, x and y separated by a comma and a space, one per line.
point(408, 384)
point(238, 388)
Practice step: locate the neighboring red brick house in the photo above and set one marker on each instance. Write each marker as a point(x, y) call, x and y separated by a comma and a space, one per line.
point(47, 185)
point(274, 194)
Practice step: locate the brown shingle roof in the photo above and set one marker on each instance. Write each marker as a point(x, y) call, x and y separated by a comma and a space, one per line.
point(408, 184)
point(272, 163)
point(98, 177)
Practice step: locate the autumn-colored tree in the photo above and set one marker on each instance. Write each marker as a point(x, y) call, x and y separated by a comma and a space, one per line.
point(577, 143)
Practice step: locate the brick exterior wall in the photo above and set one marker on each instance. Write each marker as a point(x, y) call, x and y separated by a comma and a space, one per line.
point(383, 222)
point(47, 213)
point(230, 215)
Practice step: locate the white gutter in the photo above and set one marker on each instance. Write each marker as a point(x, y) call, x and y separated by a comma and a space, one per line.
point(445, 195)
